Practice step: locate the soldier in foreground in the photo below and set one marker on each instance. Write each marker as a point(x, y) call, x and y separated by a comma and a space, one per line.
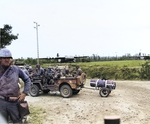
point(10, 94)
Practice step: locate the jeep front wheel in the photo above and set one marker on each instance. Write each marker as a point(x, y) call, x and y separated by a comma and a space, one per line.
point(65, 91)
point(34, 90)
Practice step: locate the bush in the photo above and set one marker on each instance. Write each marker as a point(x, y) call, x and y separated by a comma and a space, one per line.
point(129, 73)
point(115, 72)
point(145, 71)
point(100, 72)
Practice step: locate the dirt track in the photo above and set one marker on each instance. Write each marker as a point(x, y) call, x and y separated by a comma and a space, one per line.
point(130, 100)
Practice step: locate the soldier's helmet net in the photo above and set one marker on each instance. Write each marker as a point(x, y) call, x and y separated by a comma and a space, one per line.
point(5, 53)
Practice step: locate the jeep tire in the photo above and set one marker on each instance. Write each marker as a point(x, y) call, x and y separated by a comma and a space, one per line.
point(104, 92)
point(66, 91)
point(34, 90)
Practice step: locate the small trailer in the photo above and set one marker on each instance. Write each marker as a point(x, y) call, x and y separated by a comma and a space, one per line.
point(104, 86)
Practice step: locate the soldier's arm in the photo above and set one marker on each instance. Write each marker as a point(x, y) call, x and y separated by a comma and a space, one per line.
point(26, 80)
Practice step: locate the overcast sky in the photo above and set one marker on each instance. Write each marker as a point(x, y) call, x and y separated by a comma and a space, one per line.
point(77, 27)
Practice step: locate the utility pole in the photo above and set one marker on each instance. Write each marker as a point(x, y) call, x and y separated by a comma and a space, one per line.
point(0, 39)
point(116, 56)
point(37, 41)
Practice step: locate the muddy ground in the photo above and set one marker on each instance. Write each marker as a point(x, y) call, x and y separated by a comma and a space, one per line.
point(130, 100)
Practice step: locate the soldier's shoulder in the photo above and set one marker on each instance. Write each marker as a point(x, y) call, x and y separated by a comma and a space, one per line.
point(14, 67)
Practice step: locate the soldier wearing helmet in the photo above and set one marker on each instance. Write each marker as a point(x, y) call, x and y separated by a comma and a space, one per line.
point(27, 67)
point(39, 70)
point(9, 88)
point(79, 71)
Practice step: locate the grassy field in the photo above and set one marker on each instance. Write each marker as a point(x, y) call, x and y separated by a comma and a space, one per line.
point(37, 115)
point(127, 63)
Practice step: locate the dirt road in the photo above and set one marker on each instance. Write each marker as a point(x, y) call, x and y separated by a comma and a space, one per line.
point(130, 100)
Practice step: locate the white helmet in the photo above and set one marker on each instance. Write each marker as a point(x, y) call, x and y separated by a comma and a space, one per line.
point(5, 53)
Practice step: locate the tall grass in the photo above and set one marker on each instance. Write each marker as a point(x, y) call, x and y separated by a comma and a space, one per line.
point(127, 63)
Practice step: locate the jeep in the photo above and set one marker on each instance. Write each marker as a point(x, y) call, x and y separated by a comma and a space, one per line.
point(67, 86)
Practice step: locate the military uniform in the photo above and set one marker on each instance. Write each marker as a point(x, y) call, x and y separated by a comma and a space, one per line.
point(26, 71)
point(9, 78)
point(79, 72)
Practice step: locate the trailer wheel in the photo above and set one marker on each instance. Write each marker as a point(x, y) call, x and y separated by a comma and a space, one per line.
point(66, 91)
point(34, 90)
point(104, 92)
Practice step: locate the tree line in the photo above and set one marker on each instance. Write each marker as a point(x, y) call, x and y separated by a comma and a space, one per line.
point(96, 58)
